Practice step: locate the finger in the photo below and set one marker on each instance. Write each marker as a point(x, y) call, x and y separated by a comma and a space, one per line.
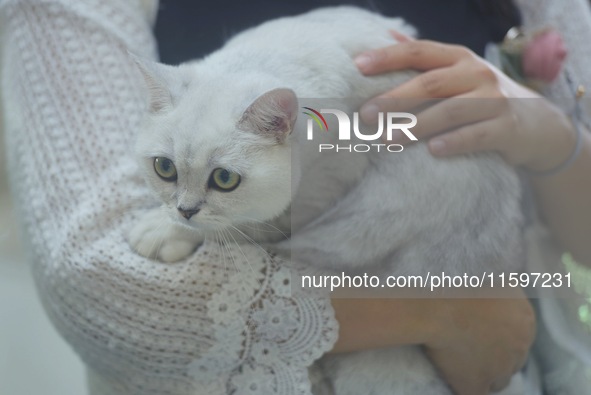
point(482, 136)
point(370, 110)
point(504, 377)
point(454, 113)
point(416, 54)
point(439, 83)
point(501, 384)
point(400, 37)
point(462, 385)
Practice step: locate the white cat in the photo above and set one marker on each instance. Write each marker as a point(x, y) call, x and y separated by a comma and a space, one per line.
point(223, 147)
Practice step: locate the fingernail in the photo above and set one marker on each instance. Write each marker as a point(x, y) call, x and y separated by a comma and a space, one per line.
point(437, 146)
point(369, 113)
point(363, 61)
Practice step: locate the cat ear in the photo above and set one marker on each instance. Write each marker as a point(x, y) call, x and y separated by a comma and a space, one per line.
point(160, 80)
point(272, 114)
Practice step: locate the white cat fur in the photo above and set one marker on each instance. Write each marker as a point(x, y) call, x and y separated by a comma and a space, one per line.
point(404, 213)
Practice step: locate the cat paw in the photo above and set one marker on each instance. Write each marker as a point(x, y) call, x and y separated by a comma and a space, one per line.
point(156, 236)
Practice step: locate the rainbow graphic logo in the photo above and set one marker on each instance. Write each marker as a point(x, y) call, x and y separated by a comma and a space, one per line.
point(317, 117)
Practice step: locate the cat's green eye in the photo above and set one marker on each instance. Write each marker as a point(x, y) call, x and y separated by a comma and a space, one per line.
point(165, 168)
point(224, 180)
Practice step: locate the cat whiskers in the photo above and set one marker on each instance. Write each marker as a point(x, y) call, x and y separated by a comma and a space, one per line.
point(245, 288)
point(253, 242)
point(223, 245)
point(226, 255)
point(249, 321)
point(238, 245)
point(223, 249)
point(274, 229)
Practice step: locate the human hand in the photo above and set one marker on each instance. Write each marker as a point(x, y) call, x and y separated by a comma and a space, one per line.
point(478, 110)
point(481, 342)
point(476, 344)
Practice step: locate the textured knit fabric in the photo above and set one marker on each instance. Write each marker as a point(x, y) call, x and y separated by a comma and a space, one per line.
point(223, 320)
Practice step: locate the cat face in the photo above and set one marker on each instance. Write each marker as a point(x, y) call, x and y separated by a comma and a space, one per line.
point(212, 161)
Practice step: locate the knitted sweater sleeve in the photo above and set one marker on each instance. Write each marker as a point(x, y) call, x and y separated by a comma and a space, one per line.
point(224, 319)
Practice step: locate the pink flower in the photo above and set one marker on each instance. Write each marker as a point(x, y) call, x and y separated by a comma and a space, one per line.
point(543, 56)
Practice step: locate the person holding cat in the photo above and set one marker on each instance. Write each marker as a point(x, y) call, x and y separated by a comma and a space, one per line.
point(517, 139)
point(452, 71)
point(567, 213)
point(114, 307)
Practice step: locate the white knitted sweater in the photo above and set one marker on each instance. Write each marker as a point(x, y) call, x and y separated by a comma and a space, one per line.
point(73, 106)
point(223, 319)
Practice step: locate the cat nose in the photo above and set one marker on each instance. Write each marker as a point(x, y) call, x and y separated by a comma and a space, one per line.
point(188, 213)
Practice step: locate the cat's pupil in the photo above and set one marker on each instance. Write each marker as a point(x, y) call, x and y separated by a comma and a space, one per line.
point(224, 176)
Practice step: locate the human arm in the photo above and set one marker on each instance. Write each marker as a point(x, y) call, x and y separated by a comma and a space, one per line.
point(476, 344)
point(73, 104)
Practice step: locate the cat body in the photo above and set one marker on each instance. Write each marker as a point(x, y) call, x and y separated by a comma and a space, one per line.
point(224, 148)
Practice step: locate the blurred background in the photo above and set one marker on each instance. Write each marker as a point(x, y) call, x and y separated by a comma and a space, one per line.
point(34, 359)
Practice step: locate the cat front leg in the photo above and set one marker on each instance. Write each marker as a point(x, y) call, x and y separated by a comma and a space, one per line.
point(156, 236)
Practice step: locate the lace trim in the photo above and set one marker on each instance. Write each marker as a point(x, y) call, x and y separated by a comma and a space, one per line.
point(266, 334)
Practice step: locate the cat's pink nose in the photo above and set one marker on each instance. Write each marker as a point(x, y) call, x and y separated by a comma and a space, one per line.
point(188, 213)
